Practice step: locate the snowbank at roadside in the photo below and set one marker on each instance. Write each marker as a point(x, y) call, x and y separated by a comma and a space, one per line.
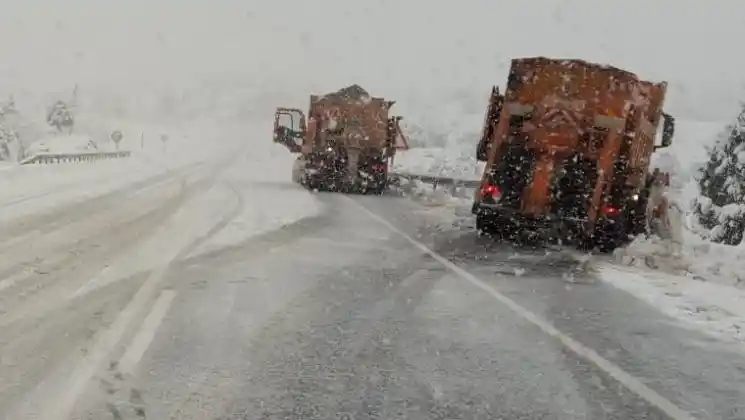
point(449, 210)
point(67, 144)
point(698, 282)
point(693, 257)
point(714, 308)
point(444, 146)
point(454, 162)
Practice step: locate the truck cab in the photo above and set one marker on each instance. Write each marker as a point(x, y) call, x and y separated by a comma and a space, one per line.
point(289, 128)
point(567, 151)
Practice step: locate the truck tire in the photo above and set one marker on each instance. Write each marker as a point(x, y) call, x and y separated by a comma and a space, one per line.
point(608, 238)
point(379, 188)
point(607, 244)
point(482, 225)
point(310, 182)
point(485, 226)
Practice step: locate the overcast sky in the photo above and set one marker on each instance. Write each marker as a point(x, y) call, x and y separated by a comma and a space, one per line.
point(425, 49)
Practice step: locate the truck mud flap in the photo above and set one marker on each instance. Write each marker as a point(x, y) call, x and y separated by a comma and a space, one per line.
point(514, 173)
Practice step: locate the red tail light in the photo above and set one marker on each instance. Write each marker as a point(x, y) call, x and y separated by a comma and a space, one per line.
point(489, 190)
point(610, 211)
point(380, 167)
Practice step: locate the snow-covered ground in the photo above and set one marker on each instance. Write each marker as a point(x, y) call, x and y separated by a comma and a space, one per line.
point(710, 307)
point(250, 196)
point(31, 188)
point(264, 198)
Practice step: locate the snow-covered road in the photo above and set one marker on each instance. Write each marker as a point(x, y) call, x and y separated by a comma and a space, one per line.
point(220, 290)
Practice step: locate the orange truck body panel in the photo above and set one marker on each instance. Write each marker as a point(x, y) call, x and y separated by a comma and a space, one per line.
point(356, 122)
point(574, 107)
point(364, 122)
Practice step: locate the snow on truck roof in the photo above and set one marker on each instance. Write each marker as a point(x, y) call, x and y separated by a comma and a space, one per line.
point(574, 62)
point(350, 94)
point(355, 92)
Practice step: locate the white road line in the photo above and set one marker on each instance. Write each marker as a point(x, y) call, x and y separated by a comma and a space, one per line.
point(145, 335)
point(629, 381)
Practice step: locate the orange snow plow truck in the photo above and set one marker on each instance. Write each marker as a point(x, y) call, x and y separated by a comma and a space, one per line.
point(348, 143)
point(567, 151)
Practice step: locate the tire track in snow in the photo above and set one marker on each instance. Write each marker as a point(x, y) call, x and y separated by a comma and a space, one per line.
point(60, 404)
point(36, 226)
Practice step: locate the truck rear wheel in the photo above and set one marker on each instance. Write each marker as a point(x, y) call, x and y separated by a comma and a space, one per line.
point(486, 226)
point(609, 237)
point(608, 243)
point(482, 225)
point(379, 187)
point(312, 183)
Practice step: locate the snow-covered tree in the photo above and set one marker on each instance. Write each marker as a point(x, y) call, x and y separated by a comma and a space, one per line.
point(721, 206)
point(8, 107)
point(9, 142)
point(60, 116)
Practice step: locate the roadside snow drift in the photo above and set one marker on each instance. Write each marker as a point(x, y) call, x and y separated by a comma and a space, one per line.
point(67, 144)
point(693, 256)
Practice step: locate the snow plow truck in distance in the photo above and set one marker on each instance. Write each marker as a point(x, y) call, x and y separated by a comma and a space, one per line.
point(567, 151)
point(348, 143)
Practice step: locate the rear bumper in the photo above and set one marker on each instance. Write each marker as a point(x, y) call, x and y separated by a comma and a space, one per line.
point(325, 178)
point(548, 225)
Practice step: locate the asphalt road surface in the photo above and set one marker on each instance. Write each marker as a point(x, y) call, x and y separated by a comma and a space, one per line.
point(370, 310)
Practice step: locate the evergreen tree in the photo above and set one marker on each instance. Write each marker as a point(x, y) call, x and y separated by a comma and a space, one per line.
point(721, 206)
point(8, 143)
point(8, 137)
point(60, 116)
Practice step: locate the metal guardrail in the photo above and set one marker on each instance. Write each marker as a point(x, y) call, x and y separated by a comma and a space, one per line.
point(46, 158)
point(438, 180)
point(453, 184)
